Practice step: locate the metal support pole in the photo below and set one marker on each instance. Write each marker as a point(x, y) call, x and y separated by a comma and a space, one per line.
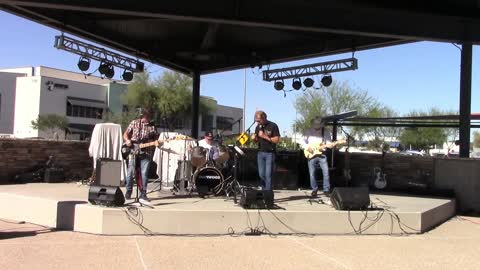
point(195, 103)
point(465, 98)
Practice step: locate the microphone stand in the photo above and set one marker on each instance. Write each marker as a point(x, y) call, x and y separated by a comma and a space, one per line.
point(234, 185)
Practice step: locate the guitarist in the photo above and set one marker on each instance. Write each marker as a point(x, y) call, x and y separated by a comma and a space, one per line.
point(315, 138)
point(140, 131)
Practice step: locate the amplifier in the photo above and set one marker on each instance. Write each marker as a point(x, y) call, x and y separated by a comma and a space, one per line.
point(256, 199)
point(54, 175)
point(108, 172)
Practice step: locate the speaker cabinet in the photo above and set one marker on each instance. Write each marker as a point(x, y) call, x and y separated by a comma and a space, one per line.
point(256, 199)
point(350, 198)
point(108, 172)
point(106, 195)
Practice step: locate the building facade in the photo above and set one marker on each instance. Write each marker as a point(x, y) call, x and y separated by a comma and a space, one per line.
point(26, 93)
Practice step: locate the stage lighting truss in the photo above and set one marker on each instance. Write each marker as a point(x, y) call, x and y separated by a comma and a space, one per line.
point(106, 57)
point(310, 70)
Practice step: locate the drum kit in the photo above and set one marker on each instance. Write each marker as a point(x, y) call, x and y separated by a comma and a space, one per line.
point(207, 173)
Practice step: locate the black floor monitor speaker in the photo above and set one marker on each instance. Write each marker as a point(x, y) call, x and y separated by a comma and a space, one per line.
point(106, 195)
point(256, 199)
point(350, 198)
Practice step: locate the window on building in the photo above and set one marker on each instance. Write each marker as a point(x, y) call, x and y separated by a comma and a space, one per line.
point(224, 123)
point(84, 111)
point(207, 122)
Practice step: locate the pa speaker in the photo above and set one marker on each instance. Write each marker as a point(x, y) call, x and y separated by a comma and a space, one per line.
point(108, 172)
point(256, 199)
point(350, 198)
point(106, 195)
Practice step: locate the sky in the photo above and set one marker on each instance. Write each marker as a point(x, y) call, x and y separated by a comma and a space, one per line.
point(415, 76)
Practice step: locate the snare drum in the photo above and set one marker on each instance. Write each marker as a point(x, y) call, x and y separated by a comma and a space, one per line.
point(199, 156)
point(208, 180)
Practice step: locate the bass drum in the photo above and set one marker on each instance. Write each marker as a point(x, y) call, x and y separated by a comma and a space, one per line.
point(199, 156)
point(208, 180)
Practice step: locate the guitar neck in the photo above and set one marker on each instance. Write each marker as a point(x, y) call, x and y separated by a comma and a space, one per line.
point(145, 145)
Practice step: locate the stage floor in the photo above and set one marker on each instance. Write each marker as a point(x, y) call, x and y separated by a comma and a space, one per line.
point(65, 206)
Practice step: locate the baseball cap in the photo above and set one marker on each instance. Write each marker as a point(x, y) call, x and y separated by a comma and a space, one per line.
point(209, 135)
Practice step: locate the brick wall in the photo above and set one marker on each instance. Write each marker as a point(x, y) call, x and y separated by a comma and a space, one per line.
point(20, 155)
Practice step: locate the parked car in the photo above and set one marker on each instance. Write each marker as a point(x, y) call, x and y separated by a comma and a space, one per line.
point(412, 153)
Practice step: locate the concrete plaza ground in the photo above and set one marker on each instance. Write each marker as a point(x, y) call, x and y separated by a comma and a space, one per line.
point(452, 245)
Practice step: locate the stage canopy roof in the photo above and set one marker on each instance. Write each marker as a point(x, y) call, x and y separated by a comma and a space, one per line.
point(220, 35)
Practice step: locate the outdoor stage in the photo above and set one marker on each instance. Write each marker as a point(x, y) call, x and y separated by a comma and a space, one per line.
point(65, 206)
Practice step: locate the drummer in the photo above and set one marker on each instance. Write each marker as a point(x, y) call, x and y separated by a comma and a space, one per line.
point(211, 145)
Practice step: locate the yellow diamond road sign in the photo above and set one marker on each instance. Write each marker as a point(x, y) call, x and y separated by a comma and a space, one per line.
point(243, 138)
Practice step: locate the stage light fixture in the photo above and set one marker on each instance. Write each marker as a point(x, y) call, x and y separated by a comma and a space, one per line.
point(296, 84)
point(127, 75)
point(327, 80)
point(103, 68)
point(83, 63)
point(110, 72)
point(308, 82)
point(278, 85)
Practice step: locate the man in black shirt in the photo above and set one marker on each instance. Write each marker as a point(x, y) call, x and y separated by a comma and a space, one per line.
point(266, 136)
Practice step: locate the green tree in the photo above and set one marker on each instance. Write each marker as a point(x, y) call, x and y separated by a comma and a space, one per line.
point(141, 92)
point(170, 95)
point(381, 136)
point(50, 123)
point(123, 118)
point(340, 97)
point(423, 138)
point(176, 98)
point(476, 139)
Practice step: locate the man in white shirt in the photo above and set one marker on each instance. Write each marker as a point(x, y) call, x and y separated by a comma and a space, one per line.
point(212, 146)
point(314, 138)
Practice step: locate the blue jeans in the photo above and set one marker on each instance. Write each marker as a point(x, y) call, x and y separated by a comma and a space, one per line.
point(144, 166)
point(265, 162)
point(312, 165)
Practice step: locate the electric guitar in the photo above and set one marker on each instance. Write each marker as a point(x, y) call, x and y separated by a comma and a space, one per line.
point(316, 149)
point(380, 181)
point(138, 147)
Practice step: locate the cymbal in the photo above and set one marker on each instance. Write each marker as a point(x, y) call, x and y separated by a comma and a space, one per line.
point(168, 150)
point(184, 138)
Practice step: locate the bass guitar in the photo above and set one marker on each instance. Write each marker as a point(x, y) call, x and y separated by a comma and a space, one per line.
point(315, 149)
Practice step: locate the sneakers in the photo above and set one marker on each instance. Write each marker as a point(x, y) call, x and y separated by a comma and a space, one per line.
point(327, 193)
point(128, 195)
point(314, 193)
point(143, 199)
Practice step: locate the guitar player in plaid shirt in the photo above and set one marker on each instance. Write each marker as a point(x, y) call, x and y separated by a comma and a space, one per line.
point(141, 131)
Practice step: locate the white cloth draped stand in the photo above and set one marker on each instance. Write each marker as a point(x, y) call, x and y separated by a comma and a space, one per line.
point(106, 142)
point(167, 163)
